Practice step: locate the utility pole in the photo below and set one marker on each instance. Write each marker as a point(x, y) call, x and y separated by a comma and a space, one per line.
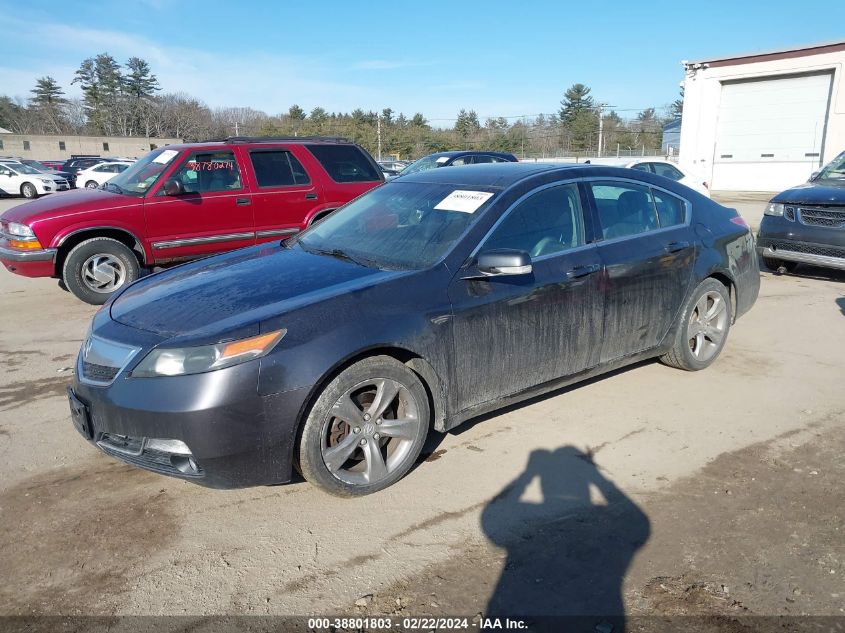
point(236, 128)
point(378, 128)
point(601, 108)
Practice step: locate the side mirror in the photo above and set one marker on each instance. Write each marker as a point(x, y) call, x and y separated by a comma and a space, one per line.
point(504, 261)
point(173, 187)
point(815, 174)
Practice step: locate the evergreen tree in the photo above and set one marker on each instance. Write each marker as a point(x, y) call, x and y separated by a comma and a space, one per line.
point(576, 99)
point(47, 93)
point(140, 82)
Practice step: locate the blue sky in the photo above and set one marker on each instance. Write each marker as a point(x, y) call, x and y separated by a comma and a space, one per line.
point(499, 58)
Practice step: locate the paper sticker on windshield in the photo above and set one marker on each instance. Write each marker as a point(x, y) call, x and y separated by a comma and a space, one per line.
point(165, 157)
point(442, 159)
point(463, 201)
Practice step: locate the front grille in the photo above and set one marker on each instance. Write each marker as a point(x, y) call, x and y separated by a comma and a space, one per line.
point(98, 373)
point(122, 443)
point(789, 213)
point(819, 216)
point(810, 249)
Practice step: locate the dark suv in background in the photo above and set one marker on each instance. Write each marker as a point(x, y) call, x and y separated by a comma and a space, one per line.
point(457, 158)
point(182, 202)
point(806, 224)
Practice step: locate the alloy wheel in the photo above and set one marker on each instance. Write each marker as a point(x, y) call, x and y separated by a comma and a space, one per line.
point(103, 273)
point(370, 431)
point(707, 325)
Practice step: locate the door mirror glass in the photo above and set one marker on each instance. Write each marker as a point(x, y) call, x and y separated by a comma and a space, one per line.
point(173, 187)
point(504, 261)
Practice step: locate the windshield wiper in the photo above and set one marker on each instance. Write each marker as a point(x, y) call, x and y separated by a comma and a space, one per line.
point(340, 254)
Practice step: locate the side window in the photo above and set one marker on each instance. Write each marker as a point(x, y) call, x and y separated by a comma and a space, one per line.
point(641, 167)
point(461, 160)
point(210, 171)
point(120, 168)
point(667, 171)
point(278, 168)
point(670, 210)
point(482, 159)
point(550, 221)
point(345, 163)
point(624, 209)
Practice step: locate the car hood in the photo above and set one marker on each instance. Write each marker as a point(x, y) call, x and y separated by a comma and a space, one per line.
point(67, 203)
point(813, 193)
point(230, 292)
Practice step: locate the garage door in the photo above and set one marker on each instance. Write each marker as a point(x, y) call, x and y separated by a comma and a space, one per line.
point(770, 132)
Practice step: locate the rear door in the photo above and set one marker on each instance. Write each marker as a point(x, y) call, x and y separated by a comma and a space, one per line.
point(349, 171)
point(213, 215)
point(514, 332)
point(284, 192)
point(648, 249)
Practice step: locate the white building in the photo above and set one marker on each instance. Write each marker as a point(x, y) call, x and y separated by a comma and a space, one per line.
point(765, 121)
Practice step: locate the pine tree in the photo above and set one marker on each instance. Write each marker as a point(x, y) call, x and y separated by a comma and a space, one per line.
point(47, 93)
point(140, 82)
point(575, 100)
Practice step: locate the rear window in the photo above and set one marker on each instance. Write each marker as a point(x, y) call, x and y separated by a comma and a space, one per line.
point(345, 163)
point(278, 168)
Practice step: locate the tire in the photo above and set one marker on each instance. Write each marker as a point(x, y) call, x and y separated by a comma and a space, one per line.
point(699, 341)
point(345, 447)
point(776, 264)
point(29, 191)
point(92, 184)
point(97, 268)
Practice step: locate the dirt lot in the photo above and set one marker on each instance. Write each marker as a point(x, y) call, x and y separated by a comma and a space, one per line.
point(650, 491)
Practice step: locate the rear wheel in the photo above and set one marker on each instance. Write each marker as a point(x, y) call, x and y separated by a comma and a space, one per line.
point(776, 265)
point(97, 268)
point(28, 190)
point(366, 429)
point(703, 328)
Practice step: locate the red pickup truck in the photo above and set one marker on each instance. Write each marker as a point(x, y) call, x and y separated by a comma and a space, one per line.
point(181, 202)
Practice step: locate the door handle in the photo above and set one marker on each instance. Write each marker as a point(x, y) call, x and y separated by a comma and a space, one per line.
point(674, 247)
point(242, 202)
point(310, 196)
point(582, 271)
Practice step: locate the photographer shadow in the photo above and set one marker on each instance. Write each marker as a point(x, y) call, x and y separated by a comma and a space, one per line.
point(569, 542)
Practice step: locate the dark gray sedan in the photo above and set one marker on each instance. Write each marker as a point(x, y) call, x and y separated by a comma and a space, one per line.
point(428, 301)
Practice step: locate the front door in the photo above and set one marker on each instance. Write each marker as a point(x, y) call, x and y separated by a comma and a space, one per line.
point(214, 213)
point(514, 332)
point(648, 250)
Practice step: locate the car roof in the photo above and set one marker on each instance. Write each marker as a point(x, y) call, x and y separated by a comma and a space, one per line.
point(499, 175)
point(471, 152)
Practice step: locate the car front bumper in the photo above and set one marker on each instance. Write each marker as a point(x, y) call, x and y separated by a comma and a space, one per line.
point(34, 263)
point(213, 429)
point(793, 241)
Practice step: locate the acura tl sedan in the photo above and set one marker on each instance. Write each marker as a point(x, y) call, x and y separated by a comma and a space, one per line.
point(427, 301)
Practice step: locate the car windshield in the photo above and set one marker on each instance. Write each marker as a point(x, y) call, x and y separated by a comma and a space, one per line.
point(404, 226)
point(834, 170)
point(424, 164)
point(142, 175)
point(35, 165)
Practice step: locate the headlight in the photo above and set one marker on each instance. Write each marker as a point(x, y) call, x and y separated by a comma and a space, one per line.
point(46, 181)
point(773, 208)
point(179, 361)
point(20, 230)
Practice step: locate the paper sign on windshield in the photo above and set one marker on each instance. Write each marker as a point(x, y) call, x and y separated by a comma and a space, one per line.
point(442, 159)
point(463, 201)
point(165, 157)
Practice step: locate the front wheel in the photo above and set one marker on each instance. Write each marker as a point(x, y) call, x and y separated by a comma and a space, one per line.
point(97, 268)
point(29, 191)
point(703, 328)
point(92, 184)
point(366, 429)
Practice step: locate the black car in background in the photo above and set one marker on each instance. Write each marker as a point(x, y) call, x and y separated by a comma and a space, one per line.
point(806, 224)
point(430, 300)
point(457, 158)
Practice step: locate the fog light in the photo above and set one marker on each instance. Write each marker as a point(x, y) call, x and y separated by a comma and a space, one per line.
point(184, 464)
